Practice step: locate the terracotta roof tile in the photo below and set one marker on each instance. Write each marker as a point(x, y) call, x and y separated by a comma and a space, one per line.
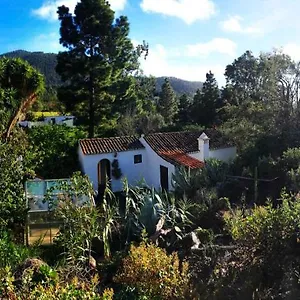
point(185, 141)
point(183, 159)
point(109, 145)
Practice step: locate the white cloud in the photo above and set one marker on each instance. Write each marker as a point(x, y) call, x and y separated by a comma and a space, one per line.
point(293, 50)
point(48, 10)
point(216, 45)
point(233, 24)
point(44, 42)
point(187, 10)
point(160, 63)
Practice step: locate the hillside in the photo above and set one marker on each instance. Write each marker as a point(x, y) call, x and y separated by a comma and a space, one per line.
point(46, 62)
point(180, 86)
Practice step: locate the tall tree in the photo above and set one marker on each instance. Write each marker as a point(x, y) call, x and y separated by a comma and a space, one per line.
point(98, 61)
point(184, 110)
point(262, 95)
point(167, 103)
point(206, 102)
point(145, 88)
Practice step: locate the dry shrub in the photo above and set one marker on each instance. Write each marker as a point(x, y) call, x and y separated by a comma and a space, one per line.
point(154, 273)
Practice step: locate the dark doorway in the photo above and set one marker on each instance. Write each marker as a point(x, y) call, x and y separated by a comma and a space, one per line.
point(103, 177)
point(103, 171)
point(164, 178)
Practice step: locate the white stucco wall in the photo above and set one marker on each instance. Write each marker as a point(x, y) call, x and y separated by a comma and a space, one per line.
point(133, 172)
point(59, 120)
point(225, 154)
point(152, 171)
point(196, 155)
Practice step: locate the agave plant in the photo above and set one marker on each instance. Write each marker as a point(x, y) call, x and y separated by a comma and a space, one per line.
point(148, 210)
point(152, 210)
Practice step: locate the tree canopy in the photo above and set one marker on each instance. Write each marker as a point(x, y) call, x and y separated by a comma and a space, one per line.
point(99, 60)
point(167, 103)
point(20, 85)
point(204, 108)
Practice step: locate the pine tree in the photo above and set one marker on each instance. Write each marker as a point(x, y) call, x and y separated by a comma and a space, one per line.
point(206, 101)
point(184, 110)
point(167, 103)
point(98, 62)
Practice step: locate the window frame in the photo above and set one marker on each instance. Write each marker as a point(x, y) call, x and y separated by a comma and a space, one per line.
point(138, 159)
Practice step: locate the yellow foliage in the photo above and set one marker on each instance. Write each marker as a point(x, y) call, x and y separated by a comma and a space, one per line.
point(39, 114)
point(50, 291)
point(154, 273)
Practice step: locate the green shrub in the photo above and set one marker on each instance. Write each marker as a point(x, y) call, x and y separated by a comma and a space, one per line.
point(48, 288)
point(266, 229)
point(13, 254)
point(53, 150)
point(290, 159)
point(154, 274)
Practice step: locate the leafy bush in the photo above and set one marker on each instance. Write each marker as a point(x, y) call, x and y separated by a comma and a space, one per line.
point(154, 274)
point(13, 172)
point(290, 159)
point(13, 254)
point(54, 150)
point(293, 177)
point(49, 287)
point(80, 219)
point(82, 222)
point(267, 247)
point(266, 229)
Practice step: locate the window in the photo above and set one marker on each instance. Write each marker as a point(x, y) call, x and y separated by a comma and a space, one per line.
point(138, 159)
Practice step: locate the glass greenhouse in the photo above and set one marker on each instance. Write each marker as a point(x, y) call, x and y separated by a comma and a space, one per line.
point(41, 223)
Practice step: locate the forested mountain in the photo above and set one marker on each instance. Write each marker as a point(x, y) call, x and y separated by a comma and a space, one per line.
point(180, 86)
point(46, 63)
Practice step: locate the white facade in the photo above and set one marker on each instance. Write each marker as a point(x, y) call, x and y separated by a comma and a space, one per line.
point(152, 170)
point(150, 167)
point(133, 172)
point(60, 120)
point(224, 154)
point(55, 120)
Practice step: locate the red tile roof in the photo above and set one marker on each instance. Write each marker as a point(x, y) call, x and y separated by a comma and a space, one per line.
point(183, 159)
point(109, 145)
point(171, 146)
point(186, 141)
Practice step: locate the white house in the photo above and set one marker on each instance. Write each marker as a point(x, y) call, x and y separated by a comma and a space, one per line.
point(50, 120)
point(152, 157)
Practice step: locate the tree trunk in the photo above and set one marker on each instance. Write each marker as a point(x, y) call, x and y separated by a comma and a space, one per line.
point(22, 109)
point(91, 110)
point(92, 98)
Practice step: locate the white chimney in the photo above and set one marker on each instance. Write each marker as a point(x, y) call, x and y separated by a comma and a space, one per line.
point(203, 146)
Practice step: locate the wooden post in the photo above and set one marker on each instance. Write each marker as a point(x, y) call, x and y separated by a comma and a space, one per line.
point(255, 185)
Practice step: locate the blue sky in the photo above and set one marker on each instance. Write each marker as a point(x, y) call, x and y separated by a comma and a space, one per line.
point(187, 38)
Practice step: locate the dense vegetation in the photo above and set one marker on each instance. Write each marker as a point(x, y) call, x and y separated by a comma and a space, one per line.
point(227, 231)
